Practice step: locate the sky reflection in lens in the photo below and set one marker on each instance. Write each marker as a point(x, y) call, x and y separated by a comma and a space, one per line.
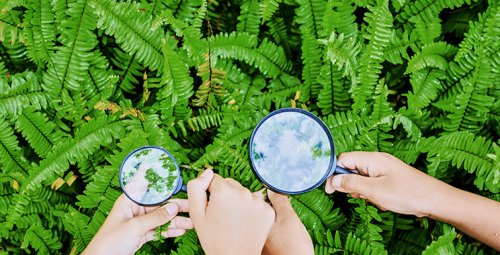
point(149, 176)
point(291, 151)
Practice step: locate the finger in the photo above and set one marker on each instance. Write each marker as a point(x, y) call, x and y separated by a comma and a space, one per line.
point(281, 204)
point(353, 183)
point(182, 203)
point(173, 232)
point(181, 223)
point(260, 194)
point(217, 183)
point(197, 194)
point(233, 183)
point(355, 195)
point(328, 186)
point(155, 218)
point(367, 163)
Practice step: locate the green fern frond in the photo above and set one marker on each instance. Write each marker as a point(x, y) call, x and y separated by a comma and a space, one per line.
point(187, 244)
point(187, 10)
point(426, 84)
point(131, 30)
point(339, 17)
point(315, 210)
point(343, 54)
point(38, 130)
point(128, 69)
point(473, 103)
point(310, 16)
point(471, 152)
point(409, 151)
point(88, 139)
point(399, 43)
point(102, 82)
point(41, 239)
point(11, 155)
point(433, 55)
point(24, 90)
point(177, 82)
point(334, 95)
point(429, 30)
point(376, 136)
point(443, 245)
point(267, 57)
point(478, 40)
point(311, 59)
point(205, 119)
point(345, 127)
point(379, 33)
point(192, 42)
point(428, 9)
point(279, 33)
point(412, 129)
point(268, 8)
point(353, 245)
point(39, 31)
point(249, 18)
point(75, 223)
point(410, 242)
point(71, 59)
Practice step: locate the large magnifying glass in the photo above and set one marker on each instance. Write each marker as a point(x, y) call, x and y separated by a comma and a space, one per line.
point(292, 151)
point(150, 175)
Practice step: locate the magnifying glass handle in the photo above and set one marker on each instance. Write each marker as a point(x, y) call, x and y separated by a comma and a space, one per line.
point(341, 170)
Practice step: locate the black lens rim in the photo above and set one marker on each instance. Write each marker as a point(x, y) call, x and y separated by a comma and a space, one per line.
point(333, 157)
point(143, 148)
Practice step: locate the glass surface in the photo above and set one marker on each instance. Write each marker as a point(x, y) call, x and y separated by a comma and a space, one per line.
point(291, 151)
point(149, 176)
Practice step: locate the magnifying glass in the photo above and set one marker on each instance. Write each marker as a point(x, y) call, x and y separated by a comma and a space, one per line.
point(150, 175)
point(292, 151)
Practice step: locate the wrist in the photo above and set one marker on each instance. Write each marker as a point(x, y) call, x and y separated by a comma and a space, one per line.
point(444, 200)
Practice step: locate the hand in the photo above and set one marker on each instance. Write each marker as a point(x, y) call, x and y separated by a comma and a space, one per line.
point(391, 184)
point(288, 235)
point(233, 221)
point(386, 181)
point(129, 226)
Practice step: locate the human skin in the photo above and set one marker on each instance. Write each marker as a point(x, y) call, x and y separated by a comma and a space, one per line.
point(288, 235)
point(129, 226)
point(233, 220)
point(391, 184)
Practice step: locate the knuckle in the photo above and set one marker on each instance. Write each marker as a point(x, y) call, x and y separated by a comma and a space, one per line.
point(135, 224)
point(191, 184)
point(348, 182)
point(161, 213)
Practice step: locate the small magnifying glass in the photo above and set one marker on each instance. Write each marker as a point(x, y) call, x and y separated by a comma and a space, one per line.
point(292, 151)
point(150, 175)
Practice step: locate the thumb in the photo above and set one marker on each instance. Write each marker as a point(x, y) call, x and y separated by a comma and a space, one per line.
point(156, 218)
point(197, 194)
point(352, 183)
point(281, 204)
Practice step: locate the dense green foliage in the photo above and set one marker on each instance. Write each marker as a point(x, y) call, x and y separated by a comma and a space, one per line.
point(84, 82)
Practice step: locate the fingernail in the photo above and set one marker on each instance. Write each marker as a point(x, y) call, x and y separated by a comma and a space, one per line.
point(337, 180)
point(171, 208)
point(205, 173)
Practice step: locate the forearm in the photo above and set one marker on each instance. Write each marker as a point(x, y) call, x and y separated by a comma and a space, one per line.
point(476, 216)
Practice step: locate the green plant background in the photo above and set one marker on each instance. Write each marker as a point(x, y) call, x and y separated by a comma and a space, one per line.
point(84, 82)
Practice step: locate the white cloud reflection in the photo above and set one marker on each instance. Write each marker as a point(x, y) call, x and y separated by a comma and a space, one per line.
point(291, 151)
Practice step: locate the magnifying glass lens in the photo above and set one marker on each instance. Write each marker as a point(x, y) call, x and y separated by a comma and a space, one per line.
point(291, 152)
point(149, 175)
